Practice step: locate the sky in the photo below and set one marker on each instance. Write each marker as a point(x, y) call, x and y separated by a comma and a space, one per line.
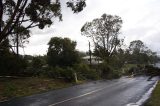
point(141, 21)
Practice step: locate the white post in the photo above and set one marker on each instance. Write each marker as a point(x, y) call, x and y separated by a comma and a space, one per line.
point(75, 77)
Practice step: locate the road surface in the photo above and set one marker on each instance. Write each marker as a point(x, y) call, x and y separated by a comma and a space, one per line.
point(117, 92)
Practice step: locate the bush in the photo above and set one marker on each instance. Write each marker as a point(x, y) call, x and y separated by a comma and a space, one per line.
point(10, 64)
point(84, 72)
point(114, 74)
point(151, 70)
point(68, 74)
point(37, 62)
point(60, 73)
point(30, 71)
point(107, 72)
point(53, 72)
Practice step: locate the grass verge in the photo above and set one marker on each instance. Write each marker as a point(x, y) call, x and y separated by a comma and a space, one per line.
point(11, 88)
point(154, 100)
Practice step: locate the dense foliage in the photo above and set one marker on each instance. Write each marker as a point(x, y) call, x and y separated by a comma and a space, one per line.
point(61, 52)
point(19, 16)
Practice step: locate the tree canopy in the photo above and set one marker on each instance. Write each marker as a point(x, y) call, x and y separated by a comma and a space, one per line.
point(104, 32)
point(18, 16)
point(137, 46)
point(61, 52)
point(140, 53)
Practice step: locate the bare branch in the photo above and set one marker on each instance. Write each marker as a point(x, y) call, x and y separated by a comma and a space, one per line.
point(17, 18)
point(10, 20)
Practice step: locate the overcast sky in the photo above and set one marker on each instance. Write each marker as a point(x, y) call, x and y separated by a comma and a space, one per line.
point(141, 21)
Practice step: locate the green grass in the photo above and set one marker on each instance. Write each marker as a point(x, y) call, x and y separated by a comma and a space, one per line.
point(154, 100)
point(10, 88)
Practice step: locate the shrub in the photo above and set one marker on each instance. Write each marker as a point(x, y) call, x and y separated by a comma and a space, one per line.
point(60, 73)
point(151, 70)
point(53, 72)
point(10, 64)
point(68, 74)
point(107, 72)
point(30, 71)
point(84, 72)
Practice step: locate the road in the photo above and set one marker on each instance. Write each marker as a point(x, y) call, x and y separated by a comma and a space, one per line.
point(117, 92)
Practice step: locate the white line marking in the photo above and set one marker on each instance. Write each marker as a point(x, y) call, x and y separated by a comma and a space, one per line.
point(77, 97)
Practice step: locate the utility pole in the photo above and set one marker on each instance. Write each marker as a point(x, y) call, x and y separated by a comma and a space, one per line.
point(90, 54)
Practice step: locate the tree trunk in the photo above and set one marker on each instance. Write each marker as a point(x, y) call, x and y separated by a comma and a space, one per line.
point(17, 44)
point(1, 14)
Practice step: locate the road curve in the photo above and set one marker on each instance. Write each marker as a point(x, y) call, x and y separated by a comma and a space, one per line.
point(117, 92)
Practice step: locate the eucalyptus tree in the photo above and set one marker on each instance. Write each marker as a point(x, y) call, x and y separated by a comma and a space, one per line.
point(19, 16)
point(137, 46)
point(104, 33)
point(140, 53)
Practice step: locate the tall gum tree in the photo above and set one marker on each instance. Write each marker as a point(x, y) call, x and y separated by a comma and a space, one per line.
point(104, 33)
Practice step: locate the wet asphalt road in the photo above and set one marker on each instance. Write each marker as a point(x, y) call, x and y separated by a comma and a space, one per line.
point(117, 92)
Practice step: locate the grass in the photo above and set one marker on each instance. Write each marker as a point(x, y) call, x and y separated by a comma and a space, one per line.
point(154, 100)
point(11, 88)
